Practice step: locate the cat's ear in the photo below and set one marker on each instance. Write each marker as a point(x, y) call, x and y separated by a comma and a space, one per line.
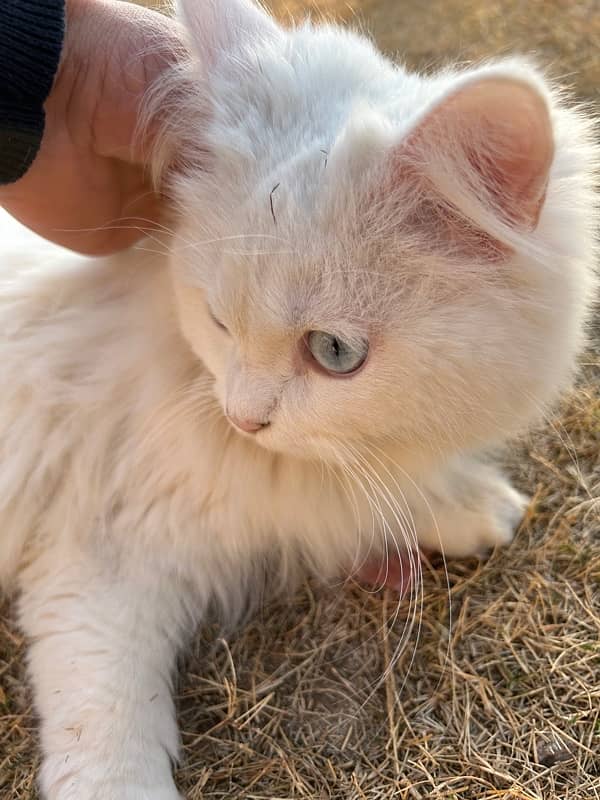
point(220, 26)
point(487, 143)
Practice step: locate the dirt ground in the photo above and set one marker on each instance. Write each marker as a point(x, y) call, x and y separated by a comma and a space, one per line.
point(496, 689)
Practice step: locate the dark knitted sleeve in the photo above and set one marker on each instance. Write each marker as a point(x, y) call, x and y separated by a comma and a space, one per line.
point(31, 36)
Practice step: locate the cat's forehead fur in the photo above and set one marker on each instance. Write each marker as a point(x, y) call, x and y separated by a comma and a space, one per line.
point(296, 135)
point(292, 201)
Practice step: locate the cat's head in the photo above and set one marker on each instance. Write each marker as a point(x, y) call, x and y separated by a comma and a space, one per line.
point(364, 256)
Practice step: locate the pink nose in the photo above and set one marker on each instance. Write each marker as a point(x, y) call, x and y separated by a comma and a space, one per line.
point(247, 425)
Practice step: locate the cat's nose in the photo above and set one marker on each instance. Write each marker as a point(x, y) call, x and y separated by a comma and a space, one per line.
point(247, 425)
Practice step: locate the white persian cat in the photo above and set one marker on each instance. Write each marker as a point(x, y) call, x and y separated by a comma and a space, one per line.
point(373, 278)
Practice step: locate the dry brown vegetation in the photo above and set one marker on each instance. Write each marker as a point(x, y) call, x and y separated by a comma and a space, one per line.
point(496, 690)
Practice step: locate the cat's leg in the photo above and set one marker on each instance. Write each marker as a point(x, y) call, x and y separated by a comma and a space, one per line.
point(101, 659)
point(466, 508)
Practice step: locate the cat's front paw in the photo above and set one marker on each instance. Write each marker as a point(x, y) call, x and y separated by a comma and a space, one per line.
point(475, 511)
point(89, 786)
point(113, 792)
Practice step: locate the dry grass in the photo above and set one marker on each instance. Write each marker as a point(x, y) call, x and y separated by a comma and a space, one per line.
point(496, 693)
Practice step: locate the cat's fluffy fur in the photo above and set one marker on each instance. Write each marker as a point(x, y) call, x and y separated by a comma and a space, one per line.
point(449, 219)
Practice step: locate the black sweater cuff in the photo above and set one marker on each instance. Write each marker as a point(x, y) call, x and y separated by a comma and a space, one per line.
point(31, 38)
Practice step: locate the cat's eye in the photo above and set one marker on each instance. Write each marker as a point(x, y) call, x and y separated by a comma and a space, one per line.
point(336, 355)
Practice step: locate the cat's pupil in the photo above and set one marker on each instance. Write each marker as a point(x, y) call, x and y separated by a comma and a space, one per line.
point(217, 321)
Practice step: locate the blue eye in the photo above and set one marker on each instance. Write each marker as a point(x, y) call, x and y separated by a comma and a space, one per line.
point(334, 354)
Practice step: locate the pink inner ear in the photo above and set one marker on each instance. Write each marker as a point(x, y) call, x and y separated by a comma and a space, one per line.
point(491, 140)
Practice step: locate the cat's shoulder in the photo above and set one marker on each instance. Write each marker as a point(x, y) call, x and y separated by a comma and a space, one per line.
point(41, 283)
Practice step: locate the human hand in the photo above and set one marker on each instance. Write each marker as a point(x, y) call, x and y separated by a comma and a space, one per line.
point(89, 188)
